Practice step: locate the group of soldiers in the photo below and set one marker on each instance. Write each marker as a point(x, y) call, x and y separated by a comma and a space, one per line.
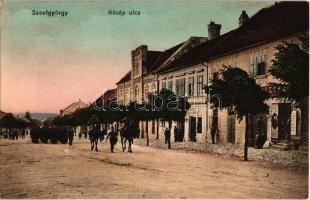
point(14, 133)
point(63, 134)
point(96, 133)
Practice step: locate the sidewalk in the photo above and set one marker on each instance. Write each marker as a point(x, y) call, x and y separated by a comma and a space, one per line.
point(292, 158)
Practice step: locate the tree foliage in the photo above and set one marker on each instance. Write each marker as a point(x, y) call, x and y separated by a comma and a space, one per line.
point(239, 92)
point(291, 67)
point(8, 120)
point(166, 106)
point(28, 116)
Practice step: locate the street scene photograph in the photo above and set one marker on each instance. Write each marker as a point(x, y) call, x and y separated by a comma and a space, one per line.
point(154, 99)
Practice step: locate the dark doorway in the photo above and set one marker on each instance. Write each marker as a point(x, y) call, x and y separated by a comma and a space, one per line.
point(192, 130)
point(231, 127)
point(284, 121)
point(180, 130)
point(214, 127)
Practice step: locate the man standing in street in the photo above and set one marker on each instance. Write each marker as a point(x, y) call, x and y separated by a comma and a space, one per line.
point(113, 139)
point(167, 138)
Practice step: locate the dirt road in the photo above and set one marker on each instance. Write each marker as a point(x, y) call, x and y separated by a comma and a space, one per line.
point(60, 171)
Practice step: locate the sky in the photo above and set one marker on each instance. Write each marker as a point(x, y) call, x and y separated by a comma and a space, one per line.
point(49, 62)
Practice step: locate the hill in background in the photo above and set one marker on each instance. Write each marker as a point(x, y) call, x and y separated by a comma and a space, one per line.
point(39, 116)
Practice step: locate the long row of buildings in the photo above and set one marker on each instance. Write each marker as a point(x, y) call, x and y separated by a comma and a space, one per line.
point(187, 67)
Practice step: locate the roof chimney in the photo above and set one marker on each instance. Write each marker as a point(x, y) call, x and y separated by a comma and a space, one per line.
point(214, 30)
point(244, 18)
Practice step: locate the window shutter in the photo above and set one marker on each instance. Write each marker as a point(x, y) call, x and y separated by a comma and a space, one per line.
point(255, 66)
point(251, 66)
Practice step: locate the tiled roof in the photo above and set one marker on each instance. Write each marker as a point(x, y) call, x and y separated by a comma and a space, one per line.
point(37, 122)
point(152, 57)
point(2, 114)
point(154, 60)
point(109, 95)
point(74, 104)
point(182, 50)
point(194, 55)
point(270, 23)
point(125, 78)
point(164, 56)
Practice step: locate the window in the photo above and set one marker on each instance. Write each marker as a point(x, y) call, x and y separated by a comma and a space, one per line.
point(215, 76)
point(146, 92)
point(153, 88)
point(191, 86)
point(136, 94)
point(199, 85)
point(180, 87)
point(137, 64)
point(169, 87)
point(261, 68)
point(127, 94)
point(163, 85)
point(136, 69)
point(258, 65)
point(199, 125)
point(252, 68)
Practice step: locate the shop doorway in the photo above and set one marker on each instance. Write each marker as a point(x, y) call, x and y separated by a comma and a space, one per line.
point(284, 121)
point(192, 129)
point(231, 127)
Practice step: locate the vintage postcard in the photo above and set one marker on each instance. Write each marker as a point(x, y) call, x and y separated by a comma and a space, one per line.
point(103, 99)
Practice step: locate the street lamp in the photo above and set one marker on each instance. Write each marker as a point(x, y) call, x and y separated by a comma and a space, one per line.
point(205, 64)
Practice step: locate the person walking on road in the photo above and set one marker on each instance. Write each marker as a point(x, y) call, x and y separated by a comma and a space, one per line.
point(167, 138)
point(214, 131)
point(113, 138)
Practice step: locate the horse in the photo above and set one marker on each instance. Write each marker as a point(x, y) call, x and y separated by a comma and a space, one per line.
point(128, 133)
point(94, 135)
point(125, 137)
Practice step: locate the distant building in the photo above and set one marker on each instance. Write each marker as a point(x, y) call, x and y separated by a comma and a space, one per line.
point(107, 97)
point(73, 107)
point(2, 114)
point(49, 122)
point(37, 122)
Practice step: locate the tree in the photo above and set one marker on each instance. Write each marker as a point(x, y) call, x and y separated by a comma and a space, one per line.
point(291, 68)
point(28, 116)
point(240, 93)
point(167, 107)
point(8, 120)
point(173, 108)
